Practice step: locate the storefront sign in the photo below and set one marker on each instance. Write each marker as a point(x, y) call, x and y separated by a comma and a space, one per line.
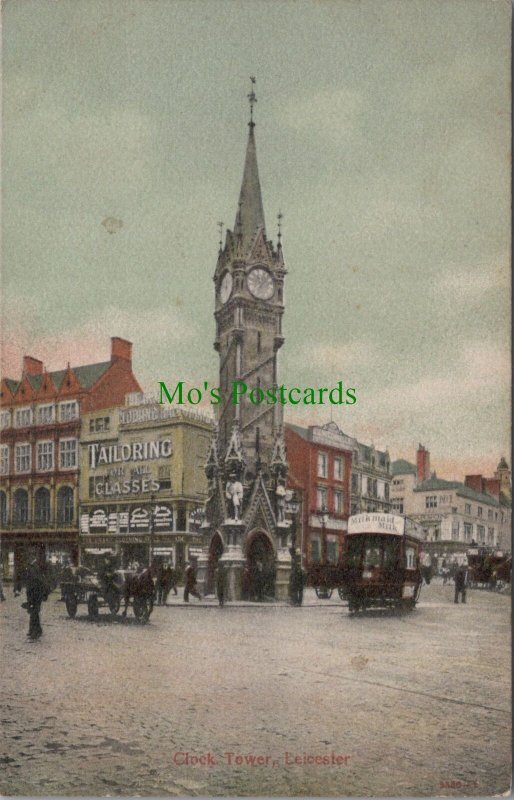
point(100, 454)
point(120, 522)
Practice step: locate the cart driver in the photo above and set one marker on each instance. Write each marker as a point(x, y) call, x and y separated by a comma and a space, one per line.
point(107, 572)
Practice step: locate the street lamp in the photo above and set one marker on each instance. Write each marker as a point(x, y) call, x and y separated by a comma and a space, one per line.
point(294, 507)
point(152, 520)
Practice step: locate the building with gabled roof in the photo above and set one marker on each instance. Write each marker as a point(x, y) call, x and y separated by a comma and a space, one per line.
point(40, 423)
point(453, 514)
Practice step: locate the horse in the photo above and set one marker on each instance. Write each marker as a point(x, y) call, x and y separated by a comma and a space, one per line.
point(141, 588)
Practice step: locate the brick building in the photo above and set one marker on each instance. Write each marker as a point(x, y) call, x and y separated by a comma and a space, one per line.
point(319, 472)
point(40, 422)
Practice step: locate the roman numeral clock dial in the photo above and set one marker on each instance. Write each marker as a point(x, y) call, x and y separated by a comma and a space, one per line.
point(226, 287)
point(261, 283)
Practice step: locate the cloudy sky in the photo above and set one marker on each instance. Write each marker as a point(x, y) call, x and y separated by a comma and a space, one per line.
point(382, 132)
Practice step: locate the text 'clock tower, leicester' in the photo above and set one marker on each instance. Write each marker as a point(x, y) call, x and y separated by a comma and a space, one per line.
point(245, 523)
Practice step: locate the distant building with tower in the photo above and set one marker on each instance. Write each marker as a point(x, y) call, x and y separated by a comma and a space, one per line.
point(245, 522)
point(454, 514)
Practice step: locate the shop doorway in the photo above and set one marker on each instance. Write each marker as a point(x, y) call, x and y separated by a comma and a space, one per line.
point(260, 573)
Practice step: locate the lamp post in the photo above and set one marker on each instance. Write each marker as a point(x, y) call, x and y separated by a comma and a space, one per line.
point(323, 516)
point(293, 507)
point(152, 520)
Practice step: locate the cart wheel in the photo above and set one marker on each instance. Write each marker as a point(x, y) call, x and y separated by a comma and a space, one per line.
point(71, 605)
point(92, 607)
point(142, 609)
point(319, 592)
point(113, 601)
point(341, 593)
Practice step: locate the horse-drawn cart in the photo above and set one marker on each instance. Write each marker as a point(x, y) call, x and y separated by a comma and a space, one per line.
point(324, 578)
point(86, 588)
point(488, 568)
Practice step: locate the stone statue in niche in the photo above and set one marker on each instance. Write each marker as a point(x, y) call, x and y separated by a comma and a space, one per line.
point(234, 495)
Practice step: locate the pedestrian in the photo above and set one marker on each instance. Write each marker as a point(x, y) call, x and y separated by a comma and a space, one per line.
point(2, 595)
point(460, 583)
point(190, 583)
point(221, 583)
point(37, 591)
point(159, 583)
point(297, 582)
point(173, 580)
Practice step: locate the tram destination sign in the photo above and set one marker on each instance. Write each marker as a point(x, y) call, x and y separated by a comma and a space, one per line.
point(376, 523)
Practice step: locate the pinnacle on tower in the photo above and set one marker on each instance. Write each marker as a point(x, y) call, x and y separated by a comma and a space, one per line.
point(250, 213)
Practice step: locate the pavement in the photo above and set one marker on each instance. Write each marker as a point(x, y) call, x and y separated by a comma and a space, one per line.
point(259, 700)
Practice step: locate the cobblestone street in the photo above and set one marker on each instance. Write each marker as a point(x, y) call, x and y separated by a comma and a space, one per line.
point(389, 704)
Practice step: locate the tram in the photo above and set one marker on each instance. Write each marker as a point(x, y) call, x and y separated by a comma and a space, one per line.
point(380, 564)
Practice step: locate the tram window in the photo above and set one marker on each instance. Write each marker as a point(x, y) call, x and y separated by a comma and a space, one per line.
point(391, 552)
point(354, 552)
point(371, 556)
point(410, 555)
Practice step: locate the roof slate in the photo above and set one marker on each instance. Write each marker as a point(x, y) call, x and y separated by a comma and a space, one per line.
point(87, 376)
point(403, 467)
point(437, 484)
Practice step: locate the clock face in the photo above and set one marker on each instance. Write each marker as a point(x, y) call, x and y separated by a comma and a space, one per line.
point(261, 283)
point(226, 287)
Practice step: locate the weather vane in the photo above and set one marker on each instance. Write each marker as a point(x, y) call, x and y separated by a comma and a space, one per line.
point(252, 98)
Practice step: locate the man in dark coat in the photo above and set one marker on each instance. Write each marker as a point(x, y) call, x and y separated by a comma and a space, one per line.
point(296, 584)
point(190, 584)
point(460, 583)
point(37, 591)
point(221, 583)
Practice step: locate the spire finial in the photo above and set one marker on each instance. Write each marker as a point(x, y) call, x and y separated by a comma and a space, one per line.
point(252, 98)
point(220, 226)
point(280, 217)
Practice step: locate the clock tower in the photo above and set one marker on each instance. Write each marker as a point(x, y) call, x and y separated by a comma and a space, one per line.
point(245, 522)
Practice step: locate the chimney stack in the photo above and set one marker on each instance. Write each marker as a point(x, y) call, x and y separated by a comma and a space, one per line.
point(422, 464)
point(32, 366)
point(475, 482)
point(493, 486)
point(121, 350)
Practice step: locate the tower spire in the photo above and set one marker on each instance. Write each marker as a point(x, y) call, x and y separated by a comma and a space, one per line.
point(250, 214)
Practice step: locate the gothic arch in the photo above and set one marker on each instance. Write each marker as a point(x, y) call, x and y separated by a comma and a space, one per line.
point(260, 572)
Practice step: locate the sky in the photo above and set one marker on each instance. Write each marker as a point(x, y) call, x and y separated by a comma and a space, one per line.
point(383, 136)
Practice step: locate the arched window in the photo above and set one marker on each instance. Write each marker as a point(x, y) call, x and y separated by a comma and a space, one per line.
point(42, 506)
point(65, 505)
point(21, 506)
point(3, 509)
